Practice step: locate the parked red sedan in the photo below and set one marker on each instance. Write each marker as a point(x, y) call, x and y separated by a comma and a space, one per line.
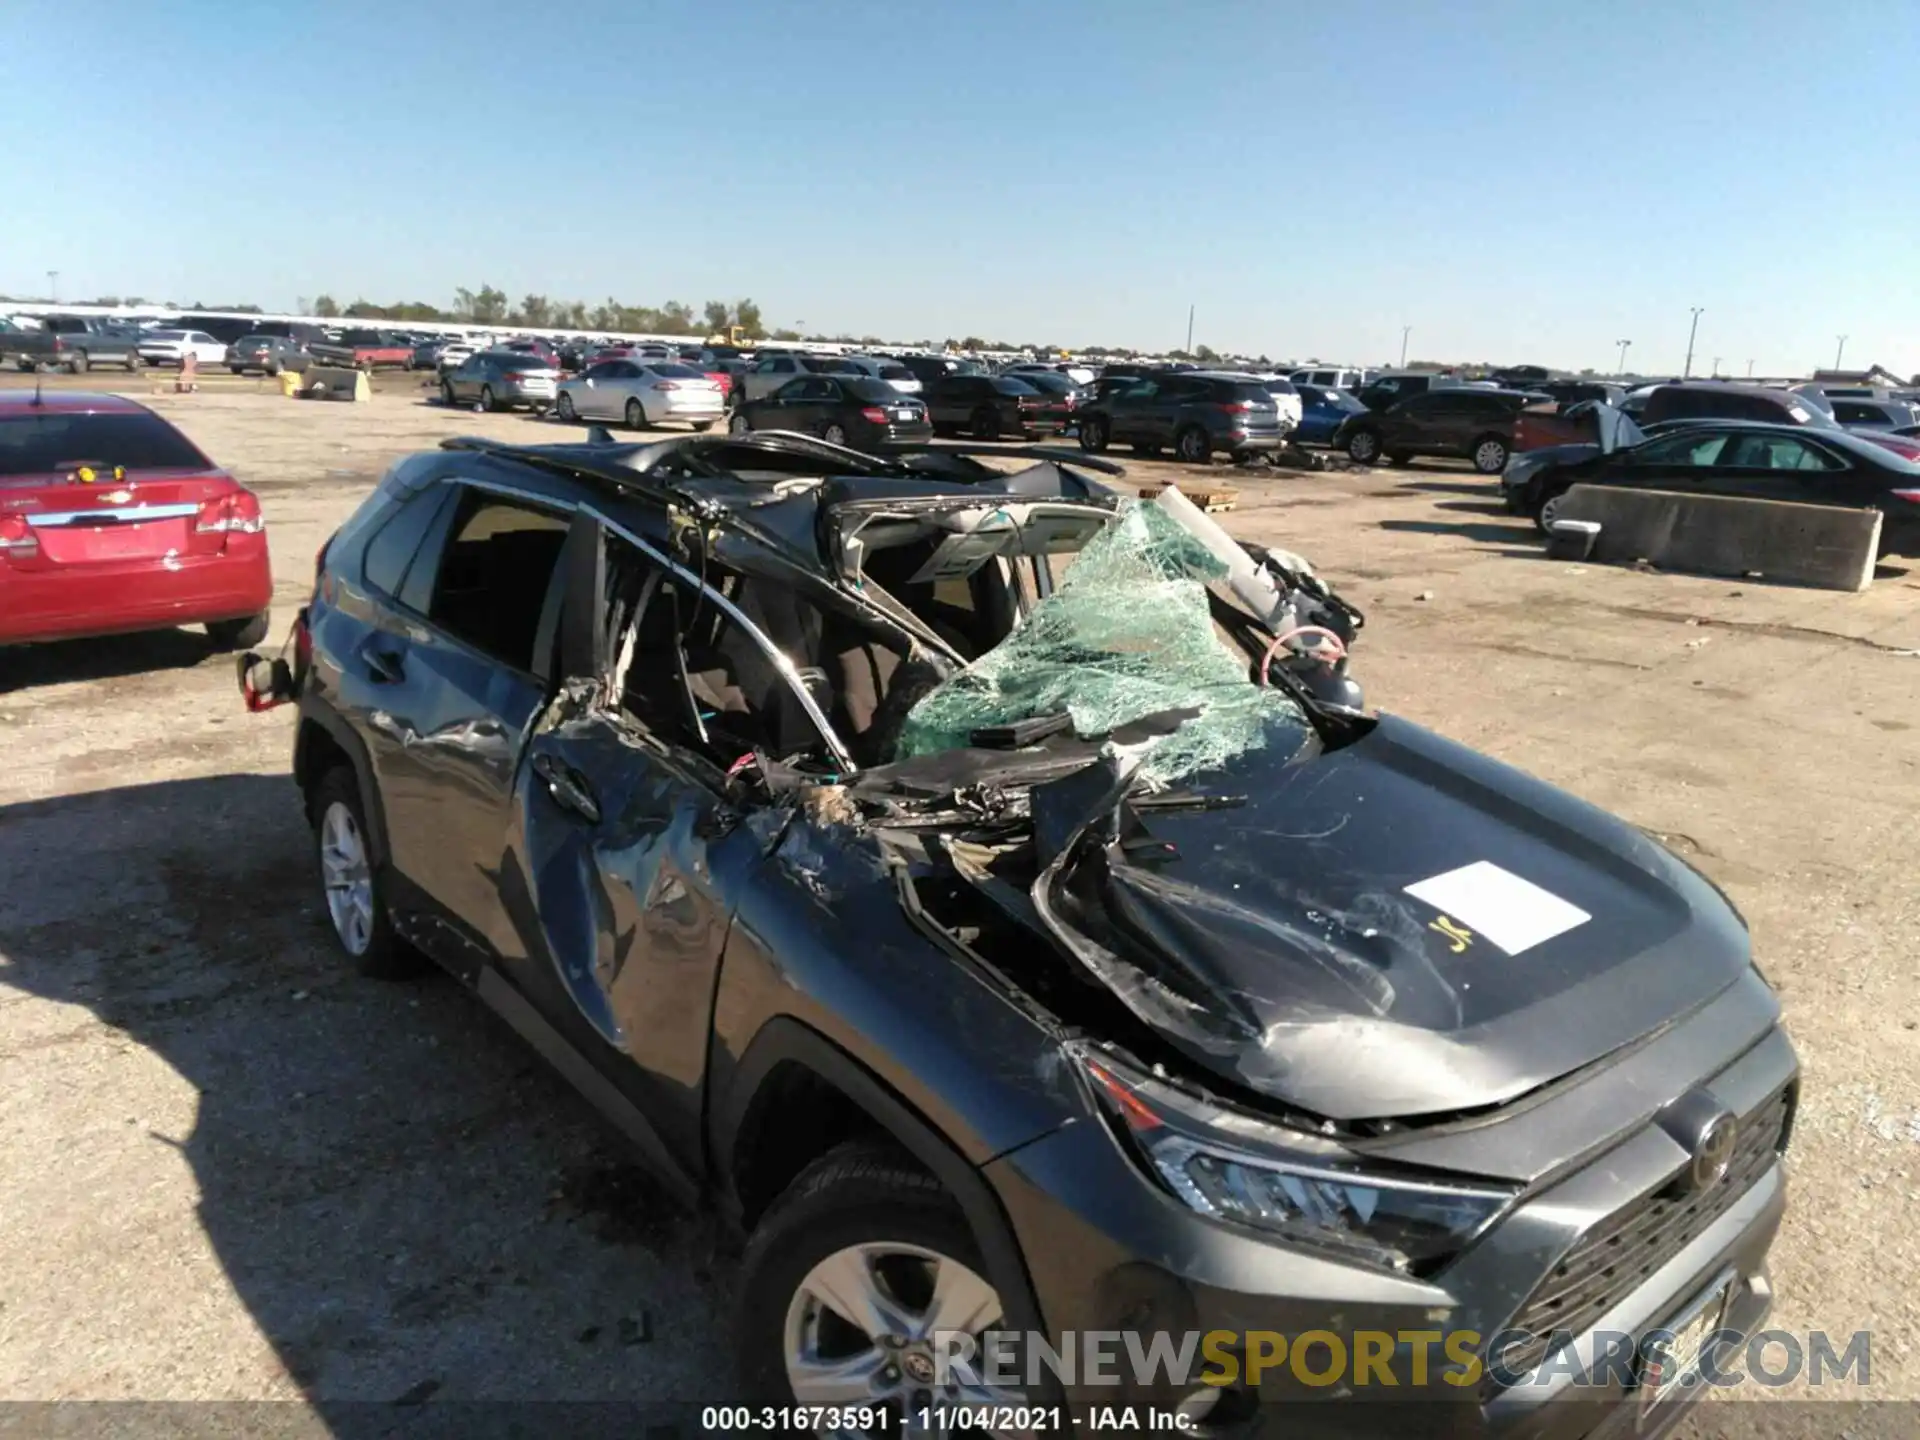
point(111, 520)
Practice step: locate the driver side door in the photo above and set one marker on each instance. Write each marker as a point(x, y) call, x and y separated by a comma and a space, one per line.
point(634, 843)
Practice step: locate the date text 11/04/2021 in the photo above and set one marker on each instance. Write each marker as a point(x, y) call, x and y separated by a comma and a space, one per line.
point(939, 1419)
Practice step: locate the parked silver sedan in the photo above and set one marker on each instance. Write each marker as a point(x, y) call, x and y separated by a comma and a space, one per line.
point(500, 379)
point(641, 393)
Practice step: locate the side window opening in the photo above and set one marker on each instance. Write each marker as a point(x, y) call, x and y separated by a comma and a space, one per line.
point(688, 671)
point(494, 575)
point(392, 549)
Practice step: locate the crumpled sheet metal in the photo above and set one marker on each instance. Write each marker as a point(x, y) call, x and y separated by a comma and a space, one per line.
point(1127, 634)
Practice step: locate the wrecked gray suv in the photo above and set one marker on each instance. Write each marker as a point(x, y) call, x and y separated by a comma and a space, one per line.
point(986, 894)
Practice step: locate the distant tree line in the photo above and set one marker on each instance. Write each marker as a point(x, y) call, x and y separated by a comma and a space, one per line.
point(491, 306)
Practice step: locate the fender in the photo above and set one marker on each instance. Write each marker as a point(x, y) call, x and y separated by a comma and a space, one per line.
point(784, 1039)
point(348, 739)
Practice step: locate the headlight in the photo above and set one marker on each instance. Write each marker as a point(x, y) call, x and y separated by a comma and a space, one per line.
point(1306, 1190)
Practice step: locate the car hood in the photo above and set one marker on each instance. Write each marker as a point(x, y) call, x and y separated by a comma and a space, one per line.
point(1400, 927)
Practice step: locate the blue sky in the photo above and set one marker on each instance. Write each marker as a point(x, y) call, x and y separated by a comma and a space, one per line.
point(1515, 181)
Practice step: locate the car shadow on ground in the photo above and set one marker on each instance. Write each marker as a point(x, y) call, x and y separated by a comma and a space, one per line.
point(1514, 527)
point(64, 662)
point(1454, 487)
point(405, 1200)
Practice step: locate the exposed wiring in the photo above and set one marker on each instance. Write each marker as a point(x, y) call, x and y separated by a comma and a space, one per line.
point(745, 762)
point(1339, 646)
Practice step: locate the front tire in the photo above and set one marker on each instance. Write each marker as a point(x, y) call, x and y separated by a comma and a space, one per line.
point(862, 1230)
point(1363, 447)
point(563, 407)
point(352, 890)
point(986, 423)
point(700, 427)
point(446, 394)
point(1548, 509)
point(239, 634)
point(78, 364)
point(739, 424)
point(1094, 436)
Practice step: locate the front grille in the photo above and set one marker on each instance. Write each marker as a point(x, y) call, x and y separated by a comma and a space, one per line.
point(1622, 1252)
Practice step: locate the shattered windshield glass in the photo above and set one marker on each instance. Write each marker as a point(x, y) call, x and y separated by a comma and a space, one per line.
point(1127, 634)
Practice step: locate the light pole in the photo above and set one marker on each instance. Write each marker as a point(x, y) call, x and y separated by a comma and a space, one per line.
point(1839, 352)
point(1692, 330)
point(1405, 331)
point(53, 286)
point(1716, 367)
point(1623, 344)
point(1189, 329)
point(1749, 369)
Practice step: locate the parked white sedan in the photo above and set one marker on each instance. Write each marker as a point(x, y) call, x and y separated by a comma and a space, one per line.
point(642, 393)
point(170, 347)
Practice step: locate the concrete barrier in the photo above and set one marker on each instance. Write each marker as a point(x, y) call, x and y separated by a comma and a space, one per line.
point(335, 382)
point(1827, 547)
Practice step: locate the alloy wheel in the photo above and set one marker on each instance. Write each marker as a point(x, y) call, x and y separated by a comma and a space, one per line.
point(739, 424)
point(861, 1329)
point(348, 878)
point(834, 435)
point(1363, 448)
point(1490, 457)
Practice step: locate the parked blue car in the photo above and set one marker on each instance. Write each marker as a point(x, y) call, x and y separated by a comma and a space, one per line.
point(1321, 411)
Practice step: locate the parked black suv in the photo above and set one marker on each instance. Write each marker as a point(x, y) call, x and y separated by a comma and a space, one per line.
point(1708, 400)
point(1194, 413)
point(989, 406)
point(1460, 421)
point(1003, 944)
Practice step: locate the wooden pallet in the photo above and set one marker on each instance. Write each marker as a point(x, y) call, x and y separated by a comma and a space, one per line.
point(1212, 499)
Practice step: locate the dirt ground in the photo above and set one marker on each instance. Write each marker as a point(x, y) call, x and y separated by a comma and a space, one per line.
point(231, 1170)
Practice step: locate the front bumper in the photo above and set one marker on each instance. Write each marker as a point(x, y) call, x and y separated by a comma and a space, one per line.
point(1107, 1250)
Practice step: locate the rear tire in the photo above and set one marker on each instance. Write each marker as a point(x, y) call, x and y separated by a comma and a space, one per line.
point(986, 423)
point(78, 364)
point(239, 634)
point(132, 363)
point(833, 434)
point(1192, 446)
point(563, 407)
point(636, 415)
point(1490, 454)
point(446, 394)
point(739, 424)
point(700, 427)
point(487, 402)
point(1093, 435)
point(339, 827)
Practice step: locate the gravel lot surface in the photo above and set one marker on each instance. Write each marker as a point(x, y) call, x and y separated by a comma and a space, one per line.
point(233, 1171)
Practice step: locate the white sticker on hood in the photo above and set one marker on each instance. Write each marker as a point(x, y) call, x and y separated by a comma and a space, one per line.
point(1513, 913)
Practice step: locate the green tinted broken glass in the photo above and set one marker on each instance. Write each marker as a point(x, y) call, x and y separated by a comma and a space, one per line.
point(1128, 633)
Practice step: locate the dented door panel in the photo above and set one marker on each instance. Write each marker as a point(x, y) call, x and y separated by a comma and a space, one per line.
point(629, 912)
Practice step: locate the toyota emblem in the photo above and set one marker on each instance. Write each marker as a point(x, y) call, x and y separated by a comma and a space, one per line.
point(1713, 1152)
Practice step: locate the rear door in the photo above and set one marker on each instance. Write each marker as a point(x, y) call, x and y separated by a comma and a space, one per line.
point(85, 495)
point(1411, 425)
point(449, 691)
